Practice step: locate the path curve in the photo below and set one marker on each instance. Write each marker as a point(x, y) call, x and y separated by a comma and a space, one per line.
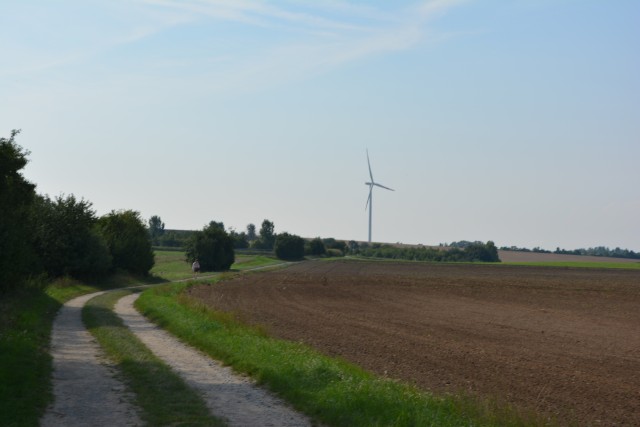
point(86, 391)
point(227, 395)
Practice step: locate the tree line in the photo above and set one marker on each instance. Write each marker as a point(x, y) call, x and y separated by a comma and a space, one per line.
point(601, 251)
point(61, 236)
point(469, 252)
point(264, 239)
point(288, 246)
point(214, 247)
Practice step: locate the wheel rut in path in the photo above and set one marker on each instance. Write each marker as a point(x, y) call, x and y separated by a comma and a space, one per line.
point(234, 398)
point(86, 391)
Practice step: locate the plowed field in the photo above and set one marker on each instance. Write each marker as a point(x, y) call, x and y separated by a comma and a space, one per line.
point(563, 342)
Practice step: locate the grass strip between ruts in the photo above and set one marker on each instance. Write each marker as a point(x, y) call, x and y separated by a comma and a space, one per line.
point(163, 396)
point(329, 390)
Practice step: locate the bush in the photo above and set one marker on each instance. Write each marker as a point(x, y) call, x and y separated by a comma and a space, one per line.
point(331, 243)
point(128, 241)
point(482, 252)
point(66, 240)
point(316, 247)
point(212, 247)
point(334, 252)
point(289, 247)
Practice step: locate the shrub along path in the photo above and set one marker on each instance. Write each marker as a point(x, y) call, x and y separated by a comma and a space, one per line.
point(85, 387)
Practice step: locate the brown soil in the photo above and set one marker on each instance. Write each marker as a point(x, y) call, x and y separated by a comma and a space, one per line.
point(559, 341)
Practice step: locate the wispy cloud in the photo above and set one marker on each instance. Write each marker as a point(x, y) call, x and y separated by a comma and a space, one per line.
point(269, 42)
point(432, 8)
point(263, 13)
point(329, 35)
point(36, 43)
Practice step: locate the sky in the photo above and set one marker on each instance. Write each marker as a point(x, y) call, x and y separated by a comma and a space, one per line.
point(517, 122)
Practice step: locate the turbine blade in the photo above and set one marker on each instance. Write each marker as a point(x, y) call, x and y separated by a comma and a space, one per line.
point(369, 163)
point(382, 186)
point(368, 198)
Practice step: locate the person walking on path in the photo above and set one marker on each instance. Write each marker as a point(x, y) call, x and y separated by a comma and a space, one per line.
point(195, 267)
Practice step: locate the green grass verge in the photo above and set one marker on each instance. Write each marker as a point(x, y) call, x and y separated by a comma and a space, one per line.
point(616, 265)
point(25, 364)
point(329, 390)
point(165, 399)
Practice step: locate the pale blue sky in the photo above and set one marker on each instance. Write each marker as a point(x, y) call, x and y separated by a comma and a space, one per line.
point(515, 121)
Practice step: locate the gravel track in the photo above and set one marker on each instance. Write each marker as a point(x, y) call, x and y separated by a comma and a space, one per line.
point(87, 391)
point(227, 395)
point(85, 388)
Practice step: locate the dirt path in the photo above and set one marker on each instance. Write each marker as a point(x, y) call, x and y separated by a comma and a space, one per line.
point(86, 390)
point(227, 395)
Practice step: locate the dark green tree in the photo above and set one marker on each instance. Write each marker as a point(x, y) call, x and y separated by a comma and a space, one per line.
point(216, 224)
point(175, 238)
point(128, 241)
point(481, 252)
point(289, 247)
point(66, 240)
point(239, 239)
point(251, 232)
point(156, 227)
point(16, 197)
point(212, 247)
point(267, 235)
point(316, 247)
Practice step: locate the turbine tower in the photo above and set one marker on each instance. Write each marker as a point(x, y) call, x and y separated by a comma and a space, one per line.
point(370, 199)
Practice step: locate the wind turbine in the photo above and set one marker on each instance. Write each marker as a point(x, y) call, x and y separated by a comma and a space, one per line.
point(370, 199)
